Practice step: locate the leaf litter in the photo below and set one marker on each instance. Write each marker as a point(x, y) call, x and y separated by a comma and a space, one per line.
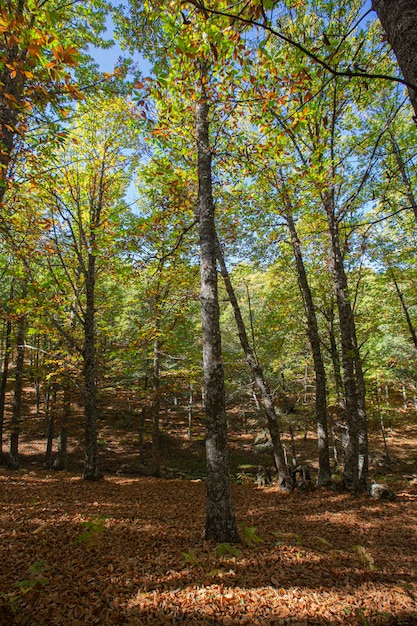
point(130, 551)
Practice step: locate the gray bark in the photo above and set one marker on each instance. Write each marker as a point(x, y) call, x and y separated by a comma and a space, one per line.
point(403, 173)
point(156, 457)
point(50, 428)
point(190, 411)
point(324, 477)
point(284, 477)
point(17, 397)
point(355, 466)
point(60, 462)
point(220, 518)
point(9, 113)
point(142, 420)
point(335, 357)
point(399, 20)
point(404, 307)
point(4, 377)
point(91, 470)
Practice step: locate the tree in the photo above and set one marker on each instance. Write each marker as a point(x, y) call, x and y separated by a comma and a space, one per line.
point(84, 203)
point(41, 41)
point(188, 71)
point(284, 477)
point(220, 519)
point(399, 20)
point(324, 477)
point(13, 462)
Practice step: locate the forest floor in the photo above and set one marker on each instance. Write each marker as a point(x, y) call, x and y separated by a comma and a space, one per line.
point(129, 549)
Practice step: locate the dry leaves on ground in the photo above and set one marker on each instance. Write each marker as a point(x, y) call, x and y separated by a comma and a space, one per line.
point(130, 551)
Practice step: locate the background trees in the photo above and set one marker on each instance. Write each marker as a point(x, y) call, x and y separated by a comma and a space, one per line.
point(264, 131)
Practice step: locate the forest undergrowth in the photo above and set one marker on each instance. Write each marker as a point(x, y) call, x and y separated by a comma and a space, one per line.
point(129, 549)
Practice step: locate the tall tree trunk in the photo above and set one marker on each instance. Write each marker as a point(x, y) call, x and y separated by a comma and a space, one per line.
point(91, 470)
point(350, 362)
point(190, 411)
point(156, 456)
point(399, 20)
point(10, 110)
point(142, 421)
point(220, 518)
point(335, 357)
point(18, 392)
point(324, 477)
point(363, 460)
point(3, 384)
point(60, 462)
point(403, 172)
point(284, 477)
point(404, 307)
point(50, 427)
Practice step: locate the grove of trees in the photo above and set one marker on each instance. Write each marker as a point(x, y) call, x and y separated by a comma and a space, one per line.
point(242, 220)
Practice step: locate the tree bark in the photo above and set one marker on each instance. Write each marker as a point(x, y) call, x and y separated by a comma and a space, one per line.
point(403, 172)
point(220, 518)
point(91, 470)
point(50, 428)
point(17, 398)
point(142, 420)
point(350, 362)
point(190, 411)
point(284, 477)
point(324, 477)
point(4, 377)
point(335, 357)
point(156, 456)
point(399, 20)
point(404, 307)
point(9, 111)
point(60, 462)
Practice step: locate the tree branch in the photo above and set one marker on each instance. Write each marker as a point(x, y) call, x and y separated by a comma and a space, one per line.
point(347, 73)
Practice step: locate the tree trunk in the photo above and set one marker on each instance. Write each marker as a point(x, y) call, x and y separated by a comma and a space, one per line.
point(403, 172)
point(324, 477)
point(10, 110)
point(50, 427)
point(404, 307)
point(335, 357)
point(284, 478)
point(3, 385)
point(156, 456)
point(91, 470)
point(190, 411)
point(60, 462)
point(363, 460)
point(220, 518)
point(352, 369)
point(17, 398)
point(399, 20)
point(142, 420)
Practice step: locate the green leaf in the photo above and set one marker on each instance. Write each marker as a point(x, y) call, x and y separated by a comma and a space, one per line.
point(226, 549)
point(249, 535)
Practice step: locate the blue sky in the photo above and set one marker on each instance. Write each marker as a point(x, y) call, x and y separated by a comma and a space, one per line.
point(108, 58)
